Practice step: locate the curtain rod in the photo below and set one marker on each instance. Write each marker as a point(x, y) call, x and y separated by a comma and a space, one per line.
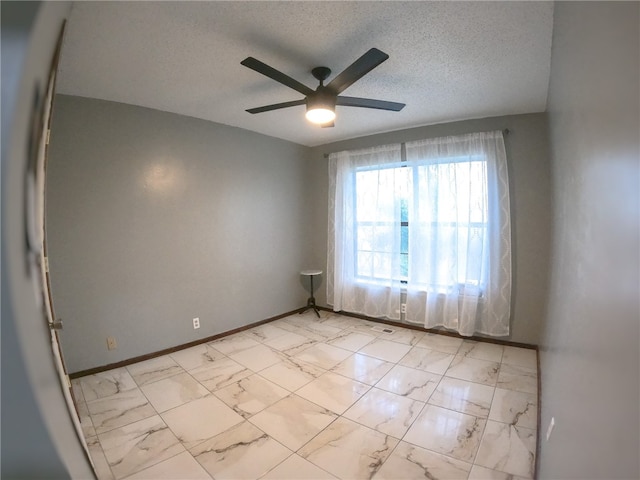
point(505, 131)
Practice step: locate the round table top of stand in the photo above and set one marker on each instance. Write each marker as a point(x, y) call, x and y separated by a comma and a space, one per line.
point(311, 272)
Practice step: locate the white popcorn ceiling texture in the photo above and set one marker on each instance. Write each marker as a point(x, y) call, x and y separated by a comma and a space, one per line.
point(448, 60)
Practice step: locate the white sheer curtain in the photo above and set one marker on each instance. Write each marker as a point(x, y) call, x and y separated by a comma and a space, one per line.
point(460, 234)
point(433, 224)
point(345, 290)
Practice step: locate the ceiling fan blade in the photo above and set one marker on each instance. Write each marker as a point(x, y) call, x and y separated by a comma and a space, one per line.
point(276, 75)
point(276, 106)
point(357, 70)
point(369, 103)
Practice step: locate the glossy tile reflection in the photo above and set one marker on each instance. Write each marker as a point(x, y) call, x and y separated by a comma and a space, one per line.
point(447, 432)
point(293, 421)
point(243, 451)
point(105, 384)
point(251, 395)
point(349, 450)
point(118, 410)
point(333, 392)
point(428, 360)
point(473, 370)
point(173, 391)
point(309, 398)
point(297, 468)
point(508, 448)
point(183, 466)
point(154, 370)
point(410, 382)
point(199, 420)
point(410, 461)
point(385, 412)
point(363, 368)
point(464, 397)
point(138, 445)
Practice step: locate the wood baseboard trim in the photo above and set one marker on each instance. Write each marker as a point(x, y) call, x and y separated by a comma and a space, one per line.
point(159, 353)
point(149, 356)
point(410, 326)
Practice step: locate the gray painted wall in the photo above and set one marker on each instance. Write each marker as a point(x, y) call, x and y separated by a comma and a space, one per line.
point(155, 218)
point(38, 435)
point(528, 159)
point(589, 349)
point(590, 338)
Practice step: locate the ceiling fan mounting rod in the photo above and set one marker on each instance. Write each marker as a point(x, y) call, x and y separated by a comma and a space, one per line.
point(321, 74)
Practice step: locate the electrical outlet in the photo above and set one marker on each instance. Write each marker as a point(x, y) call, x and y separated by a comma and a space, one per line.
point(196, 323)
point(552, 424)
point(403, 308)
point(111, 343)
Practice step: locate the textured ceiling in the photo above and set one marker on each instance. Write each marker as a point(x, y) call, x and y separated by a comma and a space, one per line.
point(448, 60)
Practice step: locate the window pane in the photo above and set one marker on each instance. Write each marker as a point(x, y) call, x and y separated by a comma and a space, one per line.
point(404, 239)
point(364, 266)
point(383, 265)
point(383, 240)
point(378, 193)
point(404, 266)
point(365, 237)
point(404, 208)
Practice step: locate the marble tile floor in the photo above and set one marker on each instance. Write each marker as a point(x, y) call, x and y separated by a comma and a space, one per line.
point(309, 398)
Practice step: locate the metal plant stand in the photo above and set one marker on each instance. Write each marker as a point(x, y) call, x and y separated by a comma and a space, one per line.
point(311, 302)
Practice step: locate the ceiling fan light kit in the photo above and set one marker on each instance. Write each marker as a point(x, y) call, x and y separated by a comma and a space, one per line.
point(321, 105)
point(321, 102)
point(320, 115)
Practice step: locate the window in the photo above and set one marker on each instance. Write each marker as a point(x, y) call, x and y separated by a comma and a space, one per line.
point(428, 220)
point(443, 201)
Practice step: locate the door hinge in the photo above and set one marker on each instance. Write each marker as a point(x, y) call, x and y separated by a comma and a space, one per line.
point(56, 325)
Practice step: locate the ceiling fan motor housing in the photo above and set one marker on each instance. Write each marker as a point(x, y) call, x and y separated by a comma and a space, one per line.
point(323, 97)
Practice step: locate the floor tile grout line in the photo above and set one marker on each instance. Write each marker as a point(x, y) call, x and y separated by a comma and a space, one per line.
point(425, 448)
point(427, 404)
point(153, 465)
point(424, 406)
point(370, 387)
point(486, 420)
point(484, 431)
point(105, 457)
point(283, 461)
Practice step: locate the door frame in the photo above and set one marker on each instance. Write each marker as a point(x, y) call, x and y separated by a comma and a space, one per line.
point(52, 323)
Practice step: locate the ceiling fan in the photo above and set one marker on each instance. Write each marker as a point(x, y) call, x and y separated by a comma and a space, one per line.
point(322, 101)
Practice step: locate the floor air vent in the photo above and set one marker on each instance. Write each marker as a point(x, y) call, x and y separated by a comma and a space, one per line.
point(383, 329)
